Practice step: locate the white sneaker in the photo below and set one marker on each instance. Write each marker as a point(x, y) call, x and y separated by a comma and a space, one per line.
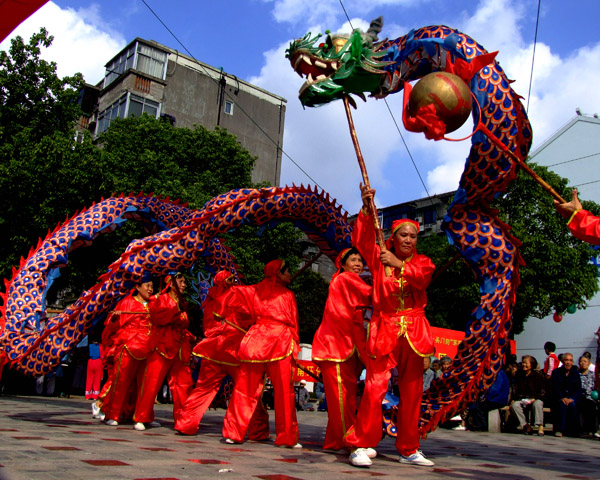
point(101, 416)
point(229, 441)
point(154, 424)
point(112, 423)
point(139, 426)
point(417, 458)
point(359, 458)
point(371, 452)
point(298, 445)
point(460, 428)
point(95, 410)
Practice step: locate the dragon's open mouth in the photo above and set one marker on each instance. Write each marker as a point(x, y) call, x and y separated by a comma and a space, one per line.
point(314, 68)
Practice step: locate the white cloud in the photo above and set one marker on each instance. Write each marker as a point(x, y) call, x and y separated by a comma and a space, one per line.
point(81, 40)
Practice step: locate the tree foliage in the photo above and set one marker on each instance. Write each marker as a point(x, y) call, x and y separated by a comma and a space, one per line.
point(38, 111)
point(558, 272)
point(453, 293)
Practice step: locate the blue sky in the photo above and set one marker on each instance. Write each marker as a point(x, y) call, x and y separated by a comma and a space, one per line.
point(248, 39)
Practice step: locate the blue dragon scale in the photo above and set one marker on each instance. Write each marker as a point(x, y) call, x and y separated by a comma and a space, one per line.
point(340, 65)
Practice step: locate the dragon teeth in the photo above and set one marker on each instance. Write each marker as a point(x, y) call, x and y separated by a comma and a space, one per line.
point(307, 59)
point(321, 77)
point(320, 64)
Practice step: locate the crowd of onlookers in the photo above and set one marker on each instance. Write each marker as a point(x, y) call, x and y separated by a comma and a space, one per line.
point(561, 392)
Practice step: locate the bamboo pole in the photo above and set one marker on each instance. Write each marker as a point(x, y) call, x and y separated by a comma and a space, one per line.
point(365, 176)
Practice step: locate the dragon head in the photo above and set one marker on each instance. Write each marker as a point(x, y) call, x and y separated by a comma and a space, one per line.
point(339, 66)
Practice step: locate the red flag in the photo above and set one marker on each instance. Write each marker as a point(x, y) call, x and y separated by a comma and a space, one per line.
point(13, 12)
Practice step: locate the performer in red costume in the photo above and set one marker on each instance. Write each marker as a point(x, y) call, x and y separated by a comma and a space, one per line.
point(270, 346)
point(583, 224)
point(171, 355)
point(135, 343)
point(399, 336)
point(339, 341)
point(110, 341)
point(224, 329)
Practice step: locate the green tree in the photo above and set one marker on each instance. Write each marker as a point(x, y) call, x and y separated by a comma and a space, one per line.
point(558, 272)
point(453, 293)
point(38, 111)
point(195, 165)
point(32, 96)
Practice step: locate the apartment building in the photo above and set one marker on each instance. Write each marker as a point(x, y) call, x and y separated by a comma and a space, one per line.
point(147, 77)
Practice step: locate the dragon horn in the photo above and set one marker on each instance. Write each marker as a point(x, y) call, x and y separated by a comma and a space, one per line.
point(374, 28)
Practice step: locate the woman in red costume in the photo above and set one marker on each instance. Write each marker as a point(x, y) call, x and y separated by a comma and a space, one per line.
point(132, 347)
point(270, 347)
point(399, 336)
point(224, 329)
point(339, 341)
point(171, 355)
point(582, 224)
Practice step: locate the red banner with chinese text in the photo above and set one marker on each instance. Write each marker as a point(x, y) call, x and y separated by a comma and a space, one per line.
point(446, 342)
point(308, 366)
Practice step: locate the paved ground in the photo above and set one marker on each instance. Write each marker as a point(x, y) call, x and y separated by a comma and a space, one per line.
point(51, 438)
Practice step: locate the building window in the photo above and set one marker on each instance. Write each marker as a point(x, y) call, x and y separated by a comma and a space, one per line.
point(139, 105)
point(228, 107)
point(117, 109)
point(151, 61)
point(78, 137)
point(128, 105)
point(141, 57)
point(429, 216)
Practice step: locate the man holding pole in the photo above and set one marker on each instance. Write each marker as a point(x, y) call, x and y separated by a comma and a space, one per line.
point(399, 336)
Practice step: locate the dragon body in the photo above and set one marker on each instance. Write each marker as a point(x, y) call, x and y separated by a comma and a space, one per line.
point(182, 237)
point(356, 64)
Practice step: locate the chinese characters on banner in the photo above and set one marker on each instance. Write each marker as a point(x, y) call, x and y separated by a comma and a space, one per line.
point(446, 342)
point(309, 367)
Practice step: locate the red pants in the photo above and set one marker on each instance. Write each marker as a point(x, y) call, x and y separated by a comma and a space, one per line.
point(180, 384)
point(340, 381)
point(93, 378)
point(128, 373)
point(209, 381)
point(367, 429)
point(248, 389)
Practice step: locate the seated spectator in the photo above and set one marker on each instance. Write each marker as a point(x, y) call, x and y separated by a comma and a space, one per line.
point(587, 405)
point(592, 366)
point(566, 392)
point(551, 361)
point(428, 374)
point(528, 391)
point(511, 370)
point(302, 396)
point(496, 397)
point(436, 367)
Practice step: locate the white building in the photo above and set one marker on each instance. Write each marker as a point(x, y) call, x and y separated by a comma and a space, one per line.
point(573, 152)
